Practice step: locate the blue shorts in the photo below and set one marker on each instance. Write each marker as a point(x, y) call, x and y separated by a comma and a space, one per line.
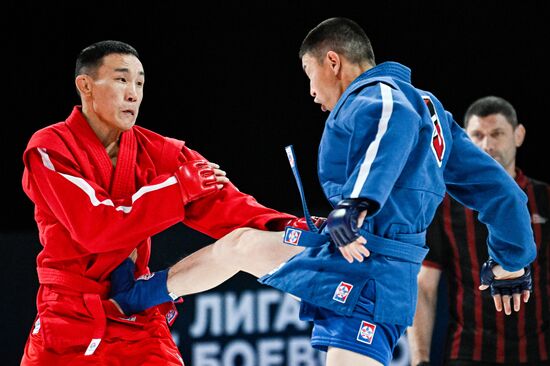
point(357, 333)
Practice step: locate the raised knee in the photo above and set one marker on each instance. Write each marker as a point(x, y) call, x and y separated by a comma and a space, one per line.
point(234, 243)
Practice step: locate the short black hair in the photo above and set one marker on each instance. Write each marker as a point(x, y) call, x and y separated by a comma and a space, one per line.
point(491, 104)
point(341, 35)
point(91, 57)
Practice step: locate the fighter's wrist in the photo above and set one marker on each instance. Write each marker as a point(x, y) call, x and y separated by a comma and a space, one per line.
point(502, 274)
point(171, 288)
point(358, 204)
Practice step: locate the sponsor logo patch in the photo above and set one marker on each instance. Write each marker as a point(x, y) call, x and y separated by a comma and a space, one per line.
point(171, 315)
point(366, 332)
point(92, 346)
point(292, 236)
point(145, 277)
point(36, 326)
point(342, 292)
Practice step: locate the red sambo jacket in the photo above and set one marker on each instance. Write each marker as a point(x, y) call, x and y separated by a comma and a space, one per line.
point(91, 215)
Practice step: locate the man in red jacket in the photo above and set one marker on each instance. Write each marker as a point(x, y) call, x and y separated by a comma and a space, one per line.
point(102, 187)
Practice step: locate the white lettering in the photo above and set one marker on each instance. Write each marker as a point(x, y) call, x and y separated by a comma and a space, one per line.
point(239, 350)
point(287, 314)
point(208, 303)
point(300, 352)
point(241, 313)
point(265, 300)
point(205, 354)
point(292, 351)
point(269, 352)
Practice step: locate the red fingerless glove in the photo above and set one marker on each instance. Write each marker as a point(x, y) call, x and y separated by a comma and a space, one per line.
point(197, 179)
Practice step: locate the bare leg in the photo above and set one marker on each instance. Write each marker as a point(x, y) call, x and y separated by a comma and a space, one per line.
point(254, 251)
point(339, 356)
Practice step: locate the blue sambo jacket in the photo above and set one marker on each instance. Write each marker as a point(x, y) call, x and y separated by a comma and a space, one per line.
point(394, 144)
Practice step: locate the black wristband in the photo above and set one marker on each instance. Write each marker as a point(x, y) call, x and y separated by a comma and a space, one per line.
point(423, 363)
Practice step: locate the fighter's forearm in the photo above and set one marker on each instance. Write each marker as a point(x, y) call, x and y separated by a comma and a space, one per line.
point(420, 333)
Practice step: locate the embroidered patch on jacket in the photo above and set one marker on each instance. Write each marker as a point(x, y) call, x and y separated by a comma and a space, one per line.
point(36, 326)
point(292, 236)
point(92, 346)
point(145, 277)
point(171, 315)
point(366, 332)
point(342, 292)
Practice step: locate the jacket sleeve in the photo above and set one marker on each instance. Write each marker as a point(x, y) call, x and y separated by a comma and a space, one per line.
point(93, 219)
point(218, 214)
point(383, 131)
point(477, 181)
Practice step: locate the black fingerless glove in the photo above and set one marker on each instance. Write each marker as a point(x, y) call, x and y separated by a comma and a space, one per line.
point(342, 221)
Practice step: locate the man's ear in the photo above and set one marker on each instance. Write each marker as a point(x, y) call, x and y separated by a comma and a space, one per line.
point(335, 62)
point(84, 84)
point(519, 135)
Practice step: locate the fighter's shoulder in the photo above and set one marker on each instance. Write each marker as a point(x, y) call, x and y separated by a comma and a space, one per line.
point(49, 137)
point(145, 135)
point(53, 142)
point(385, 94)
point(169, 152)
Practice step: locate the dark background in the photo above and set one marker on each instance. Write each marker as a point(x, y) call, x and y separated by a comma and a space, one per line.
point(225, 77)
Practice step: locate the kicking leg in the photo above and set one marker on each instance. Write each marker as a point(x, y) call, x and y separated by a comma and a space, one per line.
point(253, 251)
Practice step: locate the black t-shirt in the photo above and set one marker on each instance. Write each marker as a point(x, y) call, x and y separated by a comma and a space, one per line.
point(457, 242)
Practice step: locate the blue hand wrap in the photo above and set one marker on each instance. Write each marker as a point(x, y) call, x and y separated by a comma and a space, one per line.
point(145, 292)
point(505, 287)
point(122, 278)
point(342, 221)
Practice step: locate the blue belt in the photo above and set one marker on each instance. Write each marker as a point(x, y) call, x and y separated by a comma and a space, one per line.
point(408, 247)
point(404, 250)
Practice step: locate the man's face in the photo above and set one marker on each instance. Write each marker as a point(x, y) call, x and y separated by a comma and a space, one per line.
point(117, 91)
point(496, 136)
point(323, 84)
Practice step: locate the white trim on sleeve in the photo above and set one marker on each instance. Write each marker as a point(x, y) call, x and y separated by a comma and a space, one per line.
point(90, 191)
point(372, 150)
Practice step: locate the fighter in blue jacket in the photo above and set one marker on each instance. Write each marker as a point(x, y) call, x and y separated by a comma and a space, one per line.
point(388, 153)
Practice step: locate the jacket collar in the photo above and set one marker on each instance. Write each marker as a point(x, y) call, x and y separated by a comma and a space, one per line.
point(386, 72)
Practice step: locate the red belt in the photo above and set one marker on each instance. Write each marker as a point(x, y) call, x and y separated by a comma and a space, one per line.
point(71, 281)
point(92, 292)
